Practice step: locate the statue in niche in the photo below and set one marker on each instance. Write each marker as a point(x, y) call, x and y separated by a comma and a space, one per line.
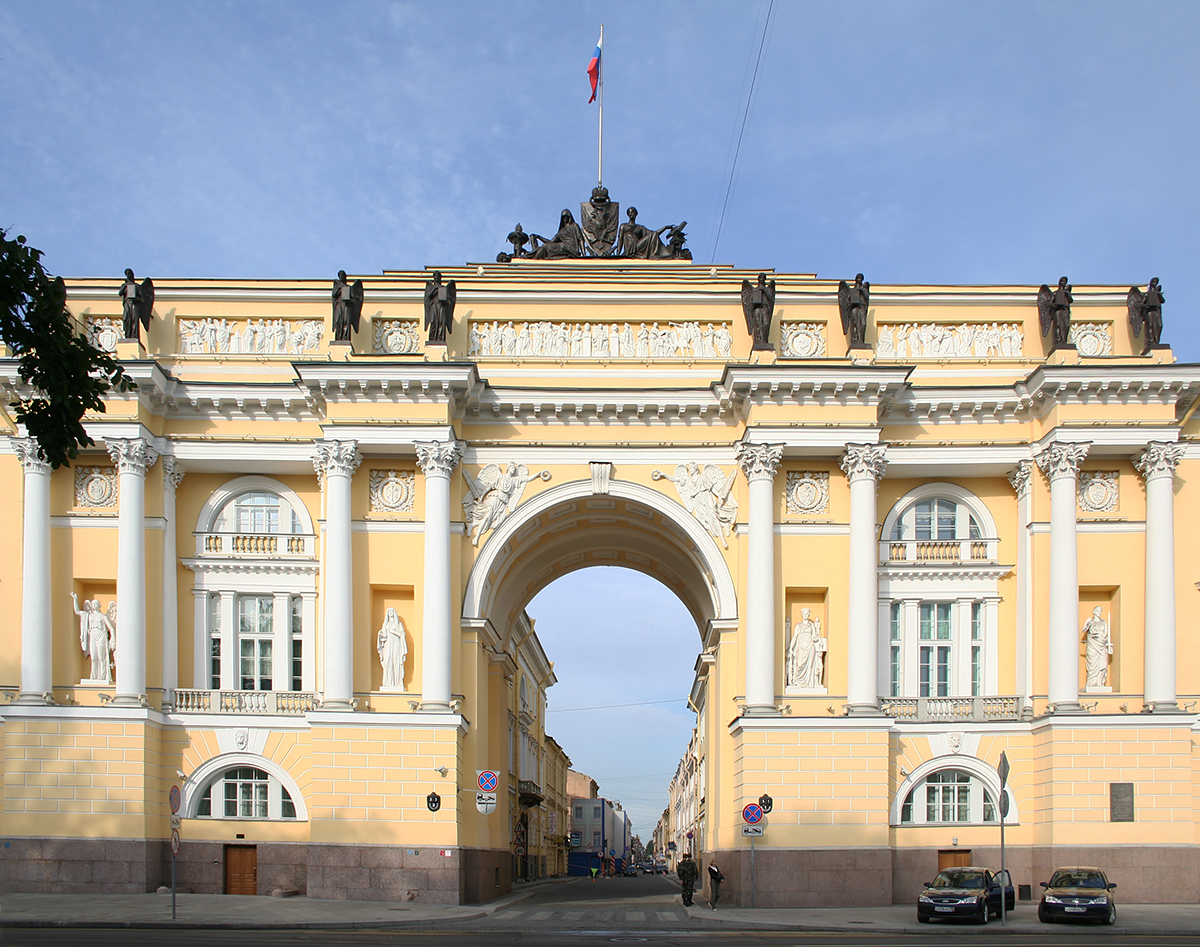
point(392, 646)
point(494, 494)
point(854, 302)
point(137, 304)
point(97, 636)
point(598, 220)
point(568, 242)
point(1145, 309)
point(1054, 311)
point(758, 306)
point(1099, 646)
point(707, 495)
point(439, 307)
point(806, 652)
point(347, 306)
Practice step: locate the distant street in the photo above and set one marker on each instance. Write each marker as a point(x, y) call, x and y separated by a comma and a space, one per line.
point(643, 910)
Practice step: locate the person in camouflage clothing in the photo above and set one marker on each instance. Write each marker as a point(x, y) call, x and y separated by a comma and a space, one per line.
point(688, 873)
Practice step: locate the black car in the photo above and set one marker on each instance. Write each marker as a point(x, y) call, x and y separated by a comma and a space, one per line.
point(1075, 893)
point(972, 893)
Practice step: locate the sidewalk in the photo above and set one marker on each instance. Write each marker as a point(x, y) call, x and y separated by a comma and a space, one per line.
point(220, 911)
point(1142, 919)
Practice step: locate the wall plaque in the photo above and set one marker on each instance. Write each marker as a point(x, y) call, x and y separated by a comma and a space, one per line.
point(1120, 802)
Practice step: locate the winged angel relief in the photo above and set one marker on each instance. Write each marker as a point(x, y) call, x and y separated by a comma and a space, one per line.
point(494, 494)
point(708, 495)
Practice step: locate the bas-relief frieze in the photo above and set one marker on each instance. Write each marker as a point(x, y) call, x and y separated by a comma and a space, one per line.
point(599, 340)
point(936, 340)
point(252, 337)
point(96, 487)
point(1099, 491)
point(494, 494)
point(1091, 338)
point(392, 491)
point(707, 493)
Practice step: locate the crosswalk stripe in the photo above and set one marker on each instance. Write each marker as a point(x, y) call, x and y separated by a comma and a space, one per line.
point(666, 915)
point(509, 915)
point(635, 916)
point(572, 915)
point(540, 916)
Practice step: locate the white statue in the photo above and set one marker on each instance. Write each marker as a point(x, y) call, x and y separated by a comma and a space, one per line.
point(393, 649)
point(97, 636)
point(707, 494)
point(494, 494)
point(806, 652)
point(1099, 647)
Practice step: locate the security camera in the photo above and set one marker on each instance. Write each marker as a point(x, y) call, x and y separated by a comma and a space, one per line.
point(180, 774)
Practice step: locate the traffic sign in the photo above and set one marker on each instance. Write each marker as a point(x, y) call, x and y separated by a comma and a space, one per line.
point(1004, 804)
point(520, 849)
point(485, 802)
point(488, 780)
point(434, 801)
point(177, 822)
point(753, 813)
point(174, 842)
point(752, 831)
point(1002, 770)
point(766, 802)
point(176, 798)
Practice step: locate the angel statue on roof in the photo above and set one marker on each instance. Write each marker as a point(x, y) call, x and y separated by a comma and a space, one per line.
point(494, 494)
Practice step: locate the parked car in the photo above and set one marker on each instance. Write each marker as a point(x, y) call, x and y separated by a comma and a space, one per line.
point(966, 892)
point(1078, 893)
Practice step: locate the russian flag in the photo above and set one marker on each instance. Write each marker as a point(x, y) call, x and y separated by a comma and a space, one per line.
point(593, 69)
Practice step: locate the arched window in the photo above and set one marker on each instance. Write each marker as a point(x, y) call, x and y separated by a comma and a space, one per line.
point(948, 795)
point(936, 519)
point(245, 792)
point(257, 512)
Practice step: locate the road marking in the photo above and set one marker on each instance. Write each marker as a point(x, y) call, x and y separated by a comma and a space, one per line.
point(667, 916)
point(509, 915)
point(572, 915)
point(635, 915)
point(540, 915)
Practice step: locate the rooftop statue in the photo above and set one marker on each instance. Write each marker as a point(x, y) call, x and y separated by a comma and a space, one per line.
point(854, 303)
point(1054, 310)
point(439, 307)
point(347, 306)
point(568, 242)
point(1145, 309)
point(758, 306)
point(598, 219)
point(137, 304)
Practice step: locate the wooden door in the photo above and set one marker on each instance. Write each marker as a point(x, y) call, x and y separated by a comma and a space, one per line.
point(241, 869)
point(954, 858)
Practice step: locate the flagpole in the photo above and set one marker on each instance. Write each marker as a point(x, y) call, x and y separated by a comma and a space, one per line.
point(600, 140)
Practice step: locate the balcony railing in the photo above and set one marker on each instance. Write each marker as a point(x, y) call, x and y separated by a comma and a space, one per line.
point(268, 545)
point(938, 550)
point(935, 709)
point(194, 701)
point(529, 792)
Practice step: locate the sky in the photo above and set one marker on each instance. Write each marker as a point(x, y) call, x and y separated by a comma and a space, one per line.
point(941, 142)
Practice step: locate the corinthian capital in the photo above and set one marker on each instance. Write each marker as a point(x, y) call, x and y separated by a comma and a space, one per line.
point(1060, 459)
point(1021, 478)
point(864, 461)
point(1159, 459)
point(336, 457)
point(131, 455)
point(759, 461)
point(173, 472)
point(438, 458)
point(27, 453)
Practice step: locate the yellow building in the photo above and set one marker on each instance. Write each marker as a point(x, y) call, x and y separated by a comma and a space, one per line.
point(321, 553)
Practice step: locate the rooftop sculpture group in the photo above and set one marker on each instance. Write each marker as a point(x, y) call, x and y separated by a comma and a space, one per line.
point(1145, 309)
point(597, 235)
point(1054, 311)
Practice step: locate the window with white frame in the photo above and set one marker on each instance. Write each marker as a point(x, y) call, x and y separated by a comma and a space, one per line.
point(245, 792)
point(255, 596)
point(938, 627)
point(948, 795)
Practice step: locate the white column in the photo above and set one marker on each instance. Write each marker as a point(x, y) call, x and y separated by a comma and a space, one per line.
point(1021, 478)
point(172, 477)
point(759, 462)
point(37, 669)
point(864, 464)
point(438, 460)
point(336, 461)
point(1060, 463)
point(133, 458)
point(1157, 465)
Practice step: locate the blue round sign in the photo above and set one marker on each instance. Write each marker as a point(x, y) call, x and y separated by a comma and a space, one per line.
point(752, 813)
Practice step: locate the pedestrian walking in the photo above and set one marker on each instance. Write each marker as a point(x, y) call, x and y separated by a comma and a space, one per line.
point(714, 884)
point(687, 877)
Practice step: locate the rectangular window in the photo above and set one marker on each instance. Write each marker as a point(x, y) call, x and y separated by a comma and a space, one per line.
point(934, 519)
point(246, 794)
point(943, 671)
point(257, 663)
point(935, 671)
point(935, 620)
point(256, 631)
point(976, 670)
point(895, 622)
point(579, 812)
point(214, 646)
point(595, 812)
point(596, 839)
point(894, 672)
point(297, 643)
point(977, 621)
point(948, 797)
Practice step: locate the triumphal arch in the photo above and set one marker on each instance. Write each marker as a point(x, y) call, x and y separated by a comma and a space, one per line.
point(915, 532)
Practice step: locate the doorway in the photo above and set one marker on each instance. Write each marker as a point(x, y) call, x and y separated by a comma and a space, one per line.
point(954, 858)
point(241, 869)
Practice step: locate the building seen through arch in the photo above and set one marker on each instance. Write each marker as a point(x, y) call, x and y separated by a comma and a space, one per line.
point(301, 568)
